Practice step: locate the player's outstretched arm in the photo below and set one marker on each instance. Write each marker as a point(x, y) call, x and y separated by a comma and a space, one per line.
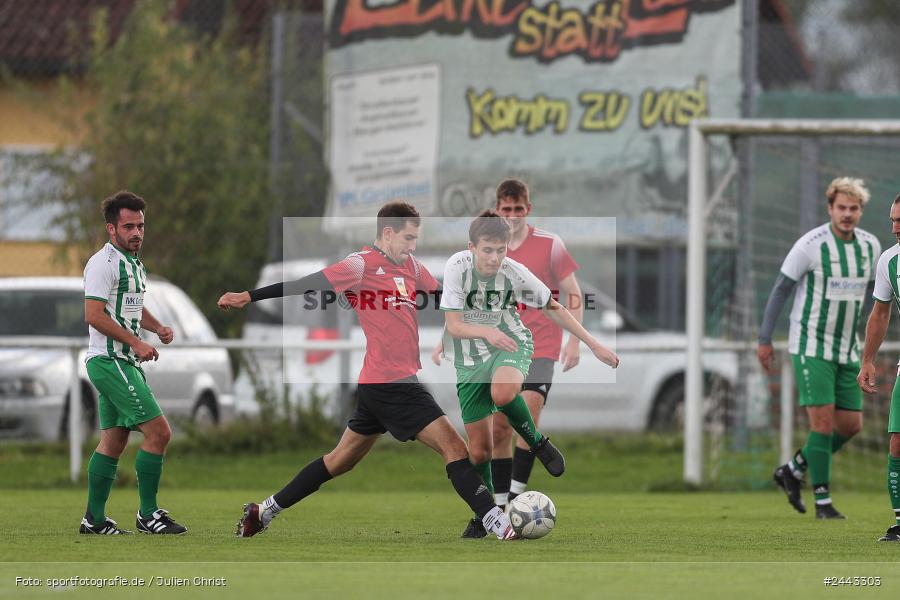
point(311, 283)
point(571, 291)
point(231, 300)
point(558, 313)
point(876, 328)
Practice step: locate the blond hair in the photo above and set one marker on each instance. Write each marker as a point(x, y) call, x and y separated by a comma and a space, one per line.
point(855, 188)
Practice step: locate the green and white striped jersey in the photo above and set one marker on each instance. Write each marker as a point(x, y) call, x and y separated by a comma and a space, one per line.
point(887, 286)
point(832, 276)
point(489, 301)
point(119, 279)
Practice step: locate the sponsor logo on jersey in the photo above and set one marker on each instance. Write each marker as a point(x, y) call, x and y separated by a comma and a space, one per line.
point(132, 304)
point(380, 271)
point(478, 317)
point(846, 288)
point(401, 285)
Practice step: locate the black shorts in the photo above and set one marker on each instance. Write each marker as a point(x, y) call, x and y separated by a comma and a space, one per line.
point(540, 377)
point(404, 408)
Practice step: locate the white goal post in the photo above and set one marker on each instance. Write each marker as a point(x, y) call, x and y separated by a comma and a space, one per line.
point(698, 205)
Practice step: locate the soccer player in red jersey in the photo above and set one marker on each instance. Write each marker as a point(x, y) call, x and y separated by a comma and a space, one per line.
point(546, 256)
point(381, 281)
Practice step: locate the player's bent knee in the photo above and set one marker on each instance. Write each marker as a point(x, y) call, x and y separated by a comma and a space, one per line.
point(338, 463)
point(111, 449)
point(454, 450)
point(502, 397)
point(895, 445)
point(479, 456)
point(501, 427)
point(160, 436)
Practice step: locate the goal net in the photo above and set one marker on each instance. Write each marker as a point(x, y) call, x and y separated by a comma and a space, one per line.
point(756, 186)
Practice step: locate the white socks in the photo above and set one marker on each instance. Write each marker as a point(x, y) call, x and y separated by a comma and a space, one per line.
point(269, 510)
point(498, 523)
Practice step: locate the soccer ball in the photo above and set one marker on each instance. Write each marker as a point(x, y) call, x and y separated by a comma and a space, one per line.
point(532, 515)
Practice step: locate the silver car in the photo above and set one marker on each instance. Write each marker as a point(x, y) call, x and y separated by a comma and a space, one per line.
point(189, 383)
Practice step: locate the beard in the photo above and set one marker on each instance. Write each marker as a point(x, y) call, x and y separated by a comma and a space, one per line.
point(123, 243)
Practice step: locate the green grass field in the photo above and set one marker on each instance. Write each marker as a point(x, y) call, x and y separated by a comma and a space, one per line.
point(390, 529)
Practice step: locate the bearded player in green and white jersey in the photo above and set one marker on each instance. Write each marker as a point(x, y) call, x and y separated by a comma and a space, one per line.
point(834, 265)
point(114, 284)
point(491, 347)
point(887, 289)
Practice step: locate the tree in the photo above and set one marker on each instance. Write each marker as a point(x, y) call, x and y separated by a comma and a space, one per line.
point(183, 121)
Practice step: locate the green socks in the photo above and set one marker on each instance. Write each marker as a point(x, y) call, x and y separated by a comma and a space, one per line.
point(893, 482)
point(837, 441)
point(798, 464)
point(149, 469)
point(101, 475)
point(818, 454)
point(520, 419)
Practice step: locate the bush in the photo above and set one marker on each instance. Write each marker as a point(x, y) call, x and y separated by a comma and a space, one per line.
point(284, 423)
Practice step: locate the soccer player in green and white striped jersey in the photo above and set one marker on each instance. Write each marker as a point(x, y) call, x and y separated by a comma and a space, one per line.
point(491, 348)
point(114, 284)
point(834, 265)
point(887, 289)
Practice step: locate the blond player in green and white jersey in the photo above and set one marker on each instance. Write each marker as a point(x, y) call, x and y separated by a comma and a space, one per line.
point(887, 291)
point(492, 349)
point(832, 268)
point(114, 284)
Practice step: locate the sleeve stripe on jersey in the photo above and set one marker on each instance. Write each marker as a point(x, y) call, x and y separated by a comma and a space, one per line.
point(104, 300)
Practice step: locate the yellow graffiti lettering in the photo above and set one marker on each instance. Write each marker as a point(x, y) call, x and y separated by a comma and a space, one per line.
point(493, 114)
point(676, 107)
point(604, 111)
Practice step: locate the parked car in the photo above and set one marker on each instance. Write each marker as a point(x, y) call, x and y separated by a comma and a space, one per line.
point(189, 383)
point(645, 392)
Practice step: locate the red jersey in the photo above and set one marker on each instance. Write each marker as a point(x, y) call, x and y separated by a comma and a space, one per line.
point(383, 294)
point(546, 256)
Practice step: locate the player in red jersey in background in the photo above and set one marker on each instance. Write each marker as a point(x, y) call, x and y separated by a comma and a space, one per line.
point(383, 280)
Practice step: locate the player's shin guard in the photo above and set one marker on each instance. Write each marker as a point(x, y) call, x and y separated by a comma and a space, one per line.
point(893, 482)
point(470, 486)
point(303, 484)
point(101, 475)
point(520, 419)
point(148, 467)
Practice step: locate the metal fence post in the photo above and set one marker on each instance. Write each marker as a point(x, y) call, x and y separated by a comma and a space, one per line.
point(787, 408)
point(75, 419)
